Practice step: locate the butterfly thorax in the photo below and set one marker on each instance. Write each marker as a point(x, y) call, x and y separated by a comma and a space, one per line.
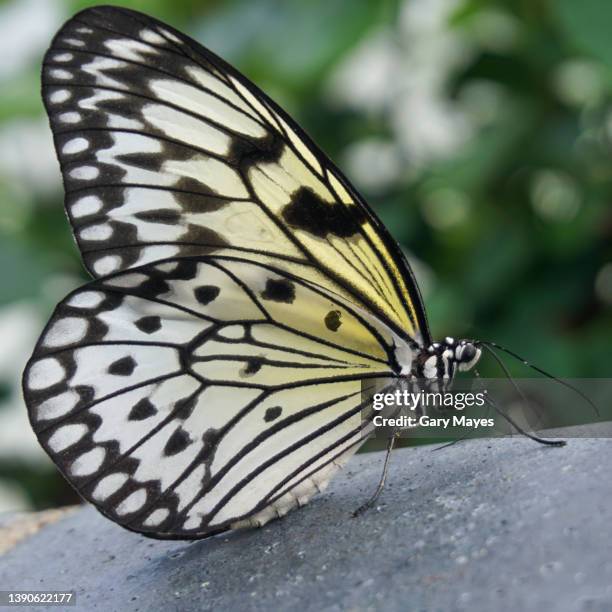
point(439, 361)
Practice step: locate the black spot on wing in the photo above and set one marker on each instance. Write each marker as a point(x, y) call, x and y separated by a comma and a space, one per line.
point(184, 407)
point(86, 394)
point(148, 325)
point(279, 290)
point(246, 153)
point(146, 161)
point(206, 294)
point(164, 216)
point(209, 239)
point(142, 410)
point(153, 286)
point(308, 212)
point(272, 413)
point(187, 194)
point(177, 442)
point(252, 366)
point(122, 367)
point(185, 269)
point(332, 320)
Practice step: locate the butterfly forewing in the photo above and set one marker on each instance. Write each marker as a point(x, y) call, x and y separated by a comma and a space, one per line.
point(168, 151)
point(211, 375)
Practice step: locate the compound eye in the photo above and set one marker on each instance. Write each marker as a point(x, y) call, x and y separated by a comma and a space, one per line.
point(469, 352)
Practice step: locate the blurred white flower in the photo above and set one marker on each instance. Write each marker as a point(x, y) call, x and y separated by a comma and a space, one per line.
point(20, 325)
point(445, 208)
point(427, 123)
point(428, 128)
point(555, 196)
point(404, 74)
point(26, 27)
point(376, 164)
point(362, 80)
point(27, 157)
point(482, 101)
point(579, 82)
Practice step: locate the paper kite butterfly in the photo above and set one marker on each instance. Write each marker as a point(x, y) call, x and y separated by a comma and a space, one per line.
point(209, 377)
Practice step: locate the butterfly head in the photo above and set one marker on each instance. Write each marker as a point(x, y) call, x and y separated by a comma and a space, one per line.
point(440, 360)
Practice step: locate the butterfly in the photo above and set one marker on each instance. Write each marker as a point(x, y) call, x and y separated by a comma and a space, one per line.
point(209, 376)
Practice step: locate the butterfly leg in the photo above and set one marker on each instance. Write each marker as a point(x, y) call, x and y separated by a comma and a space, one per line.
point(448, 444)
point(381, 483)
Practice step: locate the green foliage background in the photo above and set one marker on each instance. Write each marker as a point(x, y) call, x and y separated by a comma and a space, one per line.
point(509, 225)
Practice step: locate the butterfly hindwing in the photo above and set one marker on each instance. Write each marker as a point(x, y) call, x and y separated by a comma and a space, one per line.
point(168, 151)
point(188, 395)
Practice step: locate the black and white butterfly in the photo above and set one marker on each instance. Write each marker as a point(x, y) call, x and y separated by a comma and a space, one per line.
point(209, 376)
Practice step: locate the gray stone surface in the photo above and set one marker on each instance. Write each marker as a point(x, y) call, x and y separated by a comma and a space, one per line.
point(480, 526)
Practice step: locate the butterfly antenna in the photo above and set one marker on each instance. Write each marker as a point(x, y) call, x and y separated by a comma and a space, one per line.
point(502, 365)
point(520, 429)
point(491, 345)
point(506, 372)
point(479, 378)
